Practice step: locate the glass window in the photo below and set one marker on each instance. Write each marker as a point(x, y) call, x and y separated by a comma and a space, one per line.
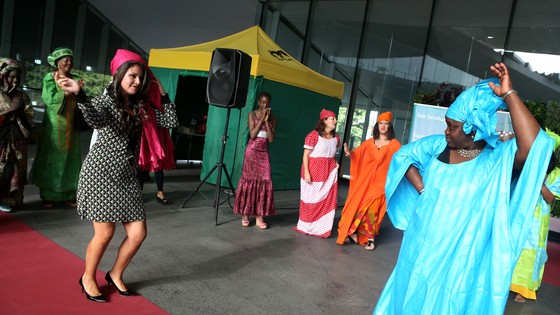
point(65, 21)
point(29, 18)
point(292, 12)
point(116, 41)
point(1, 14)
point(334, 41)
point(462, 46)
point(291, 42)
point(532, 52)
point(92, 41)
point(289, 18)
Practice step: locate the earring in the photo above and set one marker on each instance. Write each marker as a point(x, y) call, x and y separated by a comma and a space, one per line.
point(472, 136)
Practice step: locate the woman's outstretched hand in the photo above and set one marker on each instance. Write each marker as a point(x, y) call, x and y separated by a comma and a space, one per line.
point(346, 151)
point(67, 84)
point(500, 70)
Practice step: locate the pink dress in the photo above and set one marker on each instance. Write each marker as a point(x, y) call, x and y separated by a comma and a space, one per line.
point(318, 199)
point(254, 195)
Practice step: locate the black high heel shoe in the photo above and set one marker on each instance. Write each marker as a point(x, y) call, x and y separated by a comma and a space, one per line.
point(98, 298)
point(124, 293)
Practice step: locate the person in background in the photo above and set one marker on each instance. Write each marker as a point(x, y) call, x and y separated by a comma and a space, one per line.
point(168, 161)
point(16, 127)
point(464, 201)
point(365, 205)
point(528, 272)
point(58, 160)
point(255, 194)
point(319, 178)
point(109, 189)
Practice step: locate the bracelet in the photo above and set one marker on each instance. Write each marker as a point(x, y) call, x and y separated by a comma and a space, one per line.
point(507, 94)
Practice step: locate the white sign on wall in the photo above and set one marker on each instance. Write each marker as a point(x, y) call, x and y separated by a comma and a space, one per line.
point(429, 120)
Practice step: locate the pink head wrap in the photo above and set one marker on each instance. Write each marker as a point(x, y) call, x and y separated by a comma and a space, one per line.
point(326, 114)
point(155, 145)
point(122, 56)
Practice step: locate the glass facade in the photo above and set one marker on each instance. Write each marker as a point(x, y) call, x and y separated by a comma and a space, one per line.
point(388, 51)
point(31, 29)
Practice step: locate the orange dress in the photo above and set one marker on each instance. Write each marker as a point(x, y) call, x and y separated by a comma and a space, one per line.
point(365, 205)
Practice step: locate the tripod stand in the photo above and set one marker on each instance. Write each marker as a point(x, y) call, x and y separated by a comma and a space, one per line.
point(219, 166)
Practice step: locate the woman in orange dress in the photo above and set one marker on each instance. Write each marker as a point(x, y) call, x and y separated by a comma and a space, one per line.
point(365, 205)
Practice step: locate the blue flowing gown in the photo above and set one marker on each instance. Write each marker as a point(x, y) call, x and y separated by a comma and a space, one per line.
point(463, 235)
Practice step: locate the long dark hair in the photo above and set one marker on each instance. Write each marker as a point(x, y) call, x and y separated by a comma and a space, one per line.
point(320, 128)
point(131, 115)
point(390, 131)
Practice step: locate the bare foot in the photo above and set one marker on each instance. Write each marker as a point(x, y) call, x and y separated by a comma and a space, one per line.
point(519, 298)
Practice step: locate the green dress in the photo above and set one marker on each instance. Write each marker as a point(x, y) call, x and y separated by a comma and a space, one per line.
point(57, 164)
point(529, 270)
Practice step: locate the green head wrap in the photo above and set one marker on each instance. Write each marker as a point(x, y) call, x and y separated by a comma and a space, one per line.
point(57, 54)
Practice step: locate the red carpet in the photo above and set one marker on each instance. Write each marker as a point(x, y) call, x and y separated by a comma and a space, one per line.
point(37, 276)
point(552, 266)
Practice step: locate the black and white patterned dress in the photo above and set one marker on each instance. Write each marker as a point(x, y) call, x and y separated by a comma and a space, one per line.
point(108, 188)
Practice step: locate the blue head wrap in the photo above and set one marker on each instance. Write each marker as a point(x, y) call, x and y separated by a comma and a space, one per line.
point(476, 107)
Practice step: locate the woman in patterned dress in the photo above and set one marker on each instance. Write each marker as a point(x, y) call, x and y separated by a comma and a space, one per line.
point(255, 195)
point(109, 189)
point(16, 123)
point(58, 161)
point(319, 178)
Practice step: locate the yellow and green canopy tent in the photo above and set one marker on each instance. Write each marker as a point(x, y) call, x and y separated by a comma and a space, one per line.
point(298, 95)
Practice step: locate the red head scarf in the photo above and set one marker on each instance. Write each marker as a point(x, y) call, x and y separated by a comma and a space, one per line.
point(326, 114)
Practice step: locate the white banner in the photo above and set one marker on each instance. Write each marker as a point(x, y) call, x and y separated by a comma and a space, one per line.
point(428, 120)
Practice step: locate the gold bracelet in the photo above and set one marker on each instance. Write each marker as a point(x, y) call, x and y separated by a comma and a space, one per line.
point(507, 94)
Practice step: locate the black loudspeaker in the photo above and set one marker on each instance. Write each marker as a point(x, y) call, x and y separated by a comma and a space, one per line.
point(228, 78)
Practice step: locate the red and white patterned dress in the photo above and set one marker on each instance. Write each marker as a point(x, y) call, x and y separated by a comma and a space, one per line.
point(318, 199)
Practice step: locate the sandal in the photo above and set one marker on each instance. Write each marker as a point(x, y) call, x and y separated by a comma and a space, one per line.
point(370, 245)
point(351, 239)
point(261, 224)
point(162, 200)
point(47, 204)
point(245, 221)
point(71, 203)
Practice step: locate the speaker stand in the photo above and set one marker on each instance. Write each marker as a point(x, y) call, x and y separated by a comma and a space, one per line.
point(220, 166)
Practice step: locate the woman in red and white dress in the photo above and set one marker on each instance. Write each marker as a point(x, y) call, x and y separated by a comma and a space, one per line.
point(319, 178)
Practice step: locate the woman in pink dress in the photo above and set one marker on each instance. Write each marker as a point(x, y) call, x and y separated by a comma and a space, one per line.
point(319, 178)
point(254, 195)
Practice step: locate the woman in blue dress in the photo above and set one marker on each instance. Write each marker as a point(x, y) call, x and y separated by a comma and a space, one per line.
point(464, 200)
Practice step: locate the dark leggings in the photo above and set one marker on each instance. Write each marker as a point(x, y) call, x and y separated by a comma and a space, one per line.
point(158, 175)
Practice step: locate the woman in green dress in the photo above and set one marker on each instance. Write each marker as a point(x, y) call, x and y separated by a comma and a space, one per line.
point(57, 164)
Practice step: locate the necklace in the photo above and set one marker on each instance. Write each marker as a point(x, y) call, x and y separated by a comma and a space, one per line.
point(469, 154)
